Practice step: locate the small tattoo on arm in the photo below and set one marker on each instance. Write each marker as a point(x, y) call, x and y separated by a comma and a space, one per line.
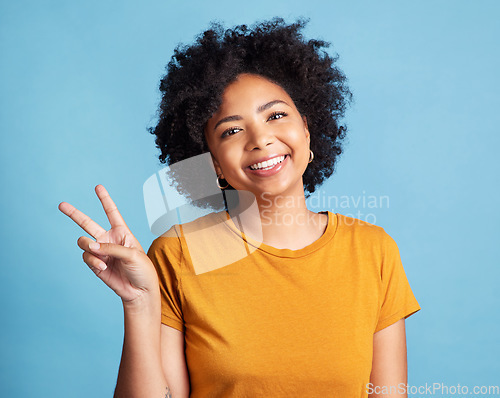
point(168, 394)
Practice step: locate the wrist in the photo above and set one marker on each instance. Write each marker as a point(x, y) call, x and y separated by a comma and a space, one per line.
point(145, 303)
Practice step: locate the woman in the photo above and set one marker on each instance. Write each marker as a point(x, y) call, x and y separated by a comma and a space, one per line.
point(265, 297)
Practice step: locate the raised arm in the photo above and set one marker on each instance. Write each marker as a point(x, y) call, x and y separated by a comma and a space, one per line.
point(120, 262)
point(141, 373)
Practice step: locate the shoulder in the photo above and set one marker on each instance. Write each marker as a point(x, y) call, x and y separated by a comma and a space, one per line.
point(204, 244)
point(175, 237)
point(358, 227)
point(363, 234)
point(202, 223)
point(169, 239)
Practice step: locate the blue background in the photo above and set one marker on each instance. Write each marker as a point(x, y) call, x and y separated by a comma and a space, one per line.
point(78, 84)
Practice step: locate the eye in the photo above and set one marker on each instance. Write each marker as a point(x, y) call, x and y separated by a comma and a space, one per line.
point(277, 115)
point(230, 131)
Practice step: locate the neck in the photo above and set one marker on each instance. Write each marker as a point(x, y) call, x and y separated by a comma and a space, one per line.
point(280, 220)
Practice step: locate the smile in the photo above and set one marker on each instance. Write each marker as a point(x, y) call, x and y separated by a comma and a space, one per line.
point(268, 164)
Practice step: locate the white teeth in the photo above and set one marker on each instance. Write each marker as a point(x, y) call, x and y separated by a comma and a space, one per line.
point(268, 163)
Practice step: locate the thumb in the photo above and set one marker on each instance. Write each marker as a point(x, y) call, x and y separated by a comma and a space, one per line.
point(113, 250)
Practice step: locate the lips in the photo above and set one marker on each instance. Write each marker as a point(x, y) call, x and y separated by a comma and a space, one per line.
point(270, 170)
point(266, 159)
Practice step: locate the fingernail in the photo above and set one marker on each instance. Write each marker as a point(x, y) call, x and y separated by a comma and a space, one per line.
point(94, 246)
point(102, 267)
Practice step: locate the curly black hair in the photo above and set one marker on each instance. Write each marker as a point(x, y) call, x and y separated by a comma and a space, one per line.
point(198, 74)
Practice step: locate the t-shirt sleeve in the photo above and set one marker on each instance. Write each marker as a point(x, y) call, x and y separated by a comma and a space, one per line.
point(397, 299)
point(165, 254)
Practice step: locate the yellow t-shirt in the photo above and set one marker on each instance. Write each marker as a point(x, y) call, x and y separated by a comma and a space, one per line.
point(265, 322)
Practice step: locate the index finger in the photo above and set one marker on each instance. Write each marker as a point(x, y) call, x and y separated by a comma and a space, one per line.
point(114, 216)
point(84, 221)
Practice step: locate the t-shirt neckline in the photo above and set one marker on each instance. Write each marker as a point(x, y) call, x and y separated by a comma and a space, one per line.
point(328, 234)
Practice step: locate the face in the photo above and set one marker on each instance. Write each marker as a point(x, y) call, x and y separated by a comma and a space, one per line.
point(256, 123)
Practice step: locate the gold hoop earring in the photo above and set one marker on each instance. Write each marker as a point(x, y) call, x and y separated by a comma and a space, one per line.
point(311, 156)
point(218, 182)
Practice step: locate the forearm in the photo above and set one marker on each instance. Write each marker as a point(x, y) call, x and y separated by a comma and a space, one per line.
point(141, 373)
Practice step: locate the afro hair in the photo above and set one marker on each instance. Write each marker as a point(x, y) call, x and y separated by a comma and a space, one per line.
point(198, 74)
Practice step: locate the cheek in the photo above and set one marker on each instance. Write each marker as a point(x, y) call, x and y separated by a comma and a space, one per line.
point(296, 137)
point(229, 159)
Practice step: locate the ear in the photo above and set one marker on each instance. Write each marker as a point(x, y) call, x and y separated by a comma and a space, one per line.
point(306, 129)
point(217, 168)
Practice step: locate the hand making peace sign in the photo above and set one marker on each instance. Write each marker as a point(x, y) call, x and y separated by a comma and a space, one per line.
point(118, 259)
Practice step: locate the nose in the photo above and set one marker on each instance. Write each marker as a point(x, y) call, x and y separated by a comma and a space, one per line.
point(259, 137)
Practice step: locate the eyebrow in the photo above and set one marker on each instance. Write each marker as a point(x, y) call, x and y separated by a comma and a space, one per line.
point(260, 109)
